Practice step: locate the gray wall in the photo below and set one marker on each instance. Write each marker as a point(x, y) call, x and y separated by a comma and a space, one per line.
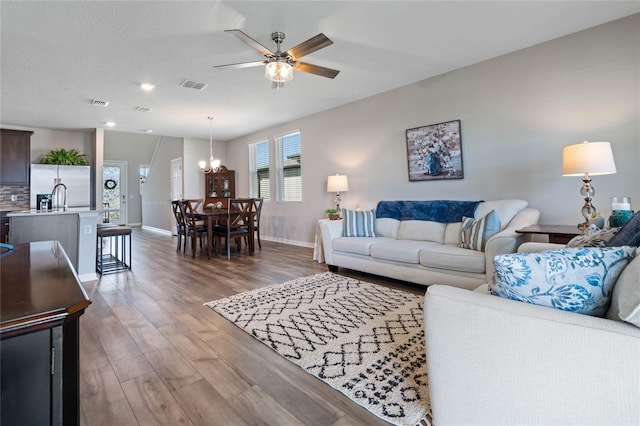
point(194, 151)
point(156, 207)
point(135, 149)
point(517, 113)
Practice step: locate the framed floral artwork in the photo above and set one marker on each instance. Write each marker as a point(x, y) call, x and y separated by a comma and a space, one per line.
point(435, 151)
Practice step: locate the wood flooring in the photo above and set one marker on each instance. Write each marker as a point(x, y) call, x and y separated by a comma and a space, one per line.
point(152, 354)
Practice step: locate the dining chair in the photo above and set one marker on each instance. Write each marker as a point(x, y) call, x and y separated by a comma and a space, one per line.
point(180, 225)
point(194, 226)
point(239, 223)
point(195, 202)
point(257, 209)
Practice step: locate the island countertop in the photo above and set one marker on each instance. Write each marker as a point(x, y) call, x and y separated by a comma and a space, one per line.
point(70, 210)
point(74, 228)
point(38, 287)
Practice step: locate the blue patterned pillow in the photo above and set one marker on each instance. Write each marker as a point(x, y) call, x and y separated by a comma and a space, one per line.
point(475, 233)
point(576, 279)
point(358, 223)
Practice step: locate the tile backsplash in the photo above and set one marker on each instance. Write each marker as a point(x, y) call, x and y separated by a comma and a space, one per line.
point(8, 193)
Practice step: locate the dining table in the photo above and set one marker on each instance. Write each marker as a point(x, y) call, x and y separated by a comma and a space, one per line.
point(211, 215)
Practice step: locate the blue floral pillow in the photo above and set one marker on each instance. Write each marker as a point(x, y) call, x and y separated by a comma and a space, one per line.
point(576, 279)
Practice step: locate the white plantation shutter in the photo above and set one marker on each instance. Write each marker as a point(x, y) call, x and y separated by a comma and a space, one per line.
point(259, 183)
point(289, 167)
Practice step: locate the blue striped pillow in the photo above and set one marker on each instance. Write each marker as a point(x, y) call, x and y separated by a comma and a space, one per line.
point(358, 223)
point(475, 233)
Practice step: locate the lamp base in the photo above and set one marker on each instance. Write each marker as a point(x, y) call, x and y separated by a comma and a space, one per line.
point(583, 226)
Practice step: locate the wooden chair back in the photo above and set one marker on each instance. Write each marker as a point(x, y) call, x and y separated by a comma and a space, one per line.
point(240, 213)
point(178, 215)
point(189, 213)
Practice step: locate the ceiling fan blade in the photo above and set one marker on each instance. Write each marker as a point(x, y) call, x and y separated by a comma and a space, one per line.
point(309, 46)
point(316, 69)
point(241, 65)
point(251, 42)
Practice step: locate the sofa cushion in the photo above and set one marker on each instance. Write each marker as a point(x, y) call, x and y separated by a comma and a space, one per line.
point(573, 279)
point(625, 299)
point(506, 210)
point(422, 230)
point(475, 233)
point(453, 258)
point(357, 245)
point(358, 223)
point(452, 233)
point(386, 227)
point(405, 251)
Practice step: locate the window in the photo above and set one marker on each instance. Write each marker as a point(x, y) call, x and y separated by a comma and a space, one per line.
point(288, 166)
point(259, 184)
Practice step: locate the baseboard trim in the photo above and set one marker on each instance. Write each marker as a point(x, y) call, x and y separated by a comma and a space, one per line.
point(285, 241)
point(158, 230)
point(88, 277)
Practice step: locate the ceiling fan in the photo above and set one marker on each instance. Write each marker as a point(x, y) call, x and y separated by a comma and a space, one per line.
point(279, 65)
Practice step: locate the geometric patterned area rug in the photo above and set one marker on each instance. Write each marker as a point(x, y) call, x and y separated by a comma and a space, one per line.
point(365, 340)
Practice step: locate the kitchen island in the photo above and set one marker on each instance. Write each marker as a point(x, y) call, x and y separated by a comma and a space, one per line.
point(42, 301)
point(74, 228)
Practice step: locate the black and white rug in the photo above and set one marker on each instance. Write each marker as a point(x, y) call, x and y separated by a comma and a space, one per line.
point(365, 340)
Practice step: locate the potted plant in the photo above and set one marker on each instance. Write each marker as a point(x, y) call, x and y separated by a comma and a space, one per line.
point(63, 157)
point(333, 214)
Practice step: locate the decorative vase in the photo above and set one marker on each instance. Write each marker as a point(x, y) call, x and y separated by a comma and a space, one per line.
point(619, 218)
point(334, 216)
point(598, 221)
point(432, 164)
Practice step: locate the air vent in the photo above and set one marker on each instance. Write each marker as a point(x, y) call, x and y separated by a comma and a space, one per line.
point(98, 102)
point(143, 109)
point(189, 84)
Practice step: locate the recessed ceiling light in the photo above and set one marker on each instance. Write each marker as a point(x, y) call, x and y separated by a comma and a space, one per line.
point(148, 131)
point(147, 87)
point(109, 124)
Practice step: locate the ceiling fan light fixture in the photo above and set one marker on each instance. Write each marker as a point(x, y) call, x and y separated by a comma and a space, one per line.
point(278, 72)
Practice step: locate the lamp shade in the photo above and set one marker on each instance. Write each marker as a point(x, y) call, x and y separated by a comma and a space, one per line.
point(337, 183)
point(595, 158)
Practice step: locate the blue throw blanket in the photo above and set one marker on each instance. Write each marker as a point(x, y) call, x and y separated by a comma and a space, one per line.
point(444, 211)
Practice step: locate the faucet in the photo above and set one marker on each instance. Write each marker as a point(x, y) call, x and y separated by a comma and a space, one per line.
point(53, 191)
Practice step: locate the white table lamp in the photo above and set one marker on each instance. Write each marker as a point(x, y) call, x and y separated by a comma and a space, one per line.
point(337, 184)
point(588, 159)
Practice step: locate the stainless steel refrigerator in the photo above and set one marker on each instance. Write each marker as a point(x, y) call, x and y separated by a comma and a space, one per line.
point(76, 178)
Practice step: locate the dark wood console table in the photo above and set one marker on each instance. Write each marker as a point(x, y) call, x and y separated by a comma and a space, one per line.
point(40, 306)
point(558, 234)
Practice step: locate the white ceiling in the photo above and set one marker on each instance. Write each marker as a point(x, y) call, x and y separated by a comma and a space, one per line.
point(58, 56)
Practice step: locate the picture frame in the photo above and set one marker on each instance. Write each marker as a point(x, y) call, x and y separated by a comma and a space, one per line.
point(434, 152)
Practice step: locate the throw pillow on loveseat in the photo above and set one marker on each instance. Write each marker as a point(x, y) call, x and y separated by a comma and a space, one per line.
point(579, 279)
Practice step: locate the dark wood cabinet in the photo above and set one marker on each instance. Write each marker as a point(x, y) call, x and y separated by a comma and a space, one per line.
point(15, 157)
point(220, 186)
point(4, 226)
point(42, 301)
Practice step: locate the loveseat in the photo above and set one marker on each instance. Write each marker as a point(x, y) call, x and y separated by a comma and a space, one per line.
point(419, 241)
point(492, 360)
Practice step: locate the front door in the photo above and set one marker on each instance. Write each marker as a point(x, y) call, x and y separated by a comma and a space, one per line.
point(114, 192)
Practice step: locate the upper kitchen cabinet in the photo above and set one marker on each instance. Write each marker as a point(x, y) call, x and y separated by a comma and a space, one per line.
point(15, 157)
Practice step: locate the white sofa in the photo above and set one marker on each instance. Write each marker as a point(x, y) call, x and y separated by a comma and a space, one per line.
point(502, 362)
point(426, 252)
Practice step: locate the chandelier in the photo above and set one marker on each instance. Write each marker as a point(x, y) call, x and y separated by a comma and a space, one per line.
point(214, 164)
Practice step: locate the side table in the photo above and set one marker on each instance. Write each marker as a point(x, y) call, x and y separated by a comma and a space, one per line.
point(558, 234)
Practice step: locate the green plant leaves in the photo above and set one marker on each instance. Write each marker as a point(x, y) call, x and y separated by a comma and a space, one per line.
point(64, 157)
